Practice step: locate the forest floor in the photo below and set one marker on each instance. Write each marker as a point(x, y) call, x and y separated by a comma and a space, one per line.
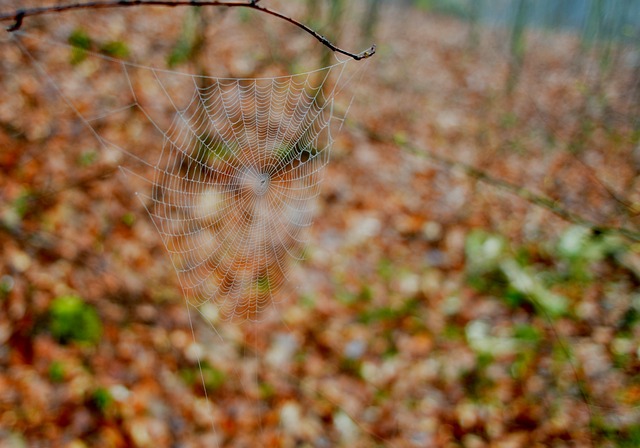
point(432, 308)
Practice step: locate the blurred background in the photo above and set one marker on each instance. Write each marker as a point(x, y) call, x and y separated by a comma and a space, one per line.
point(472, 277)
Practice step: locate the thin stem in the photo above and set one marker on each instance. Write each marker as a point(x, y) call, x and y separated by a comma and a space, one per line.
point(19, 15)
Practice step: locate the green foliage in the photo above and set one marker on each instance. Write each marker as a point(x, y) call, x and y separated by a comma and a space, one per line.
point(20, 205)
point(522, 364)
point(526, 281)
point(577, 252)
point(82, 43)
point(579, 243)
point(284, 152)
point(211, 149)
point(484, 251)
point(221, 151)
point(190, 40)
point(115, 49)
point(386, 269)
point(493, 268)
point(626, 437)
point(387, 313)
point(13, 215)
point(296, 152)
point(379, 314)
point(72, 320)
point(351, 366)
point(6, 285)
point(400, 138)
point(263, 284)
point(544, 276)
point(475, 380)
point(508, 120)
point(629, 320)
point(56, 372)
point(452, 332)
point(267, 391)
point(180, 53)
point(514, 298)
point(480, 338)
point(129, 219)
point(348, 298)
point(87, 158)
point(212, 377)
point(528, 338)
point(102, 399)
point(308, 301)
point(527, 333)
point(80, 39)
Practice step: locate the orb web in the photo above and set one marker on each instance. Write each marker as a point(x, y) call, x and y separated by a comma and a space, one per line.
point(235, 184)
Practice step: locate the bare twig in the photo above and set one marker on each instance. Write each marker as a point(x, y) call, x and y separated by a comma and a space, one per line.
point(624, 204)
point(18, 16)
point(537, 199)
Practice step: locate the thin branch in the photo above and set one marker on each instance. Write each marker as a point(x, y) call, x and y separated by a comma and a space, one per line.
point(19, 15)
point(623, 204)
point(537, 199)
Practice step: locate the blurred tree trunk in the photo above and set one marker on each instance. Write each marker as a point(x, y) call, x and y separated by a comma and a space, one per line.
point(370, 20)
point(593, 24)
point(517, 46)
point(191, 42)
point(313, 13)
point(475, 14)
point(557, 15)
point(334, 26)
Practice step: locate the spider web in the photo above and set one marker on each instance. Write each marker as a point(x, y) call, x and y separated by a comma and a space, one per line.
point(230, 186)
point(234, 185)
